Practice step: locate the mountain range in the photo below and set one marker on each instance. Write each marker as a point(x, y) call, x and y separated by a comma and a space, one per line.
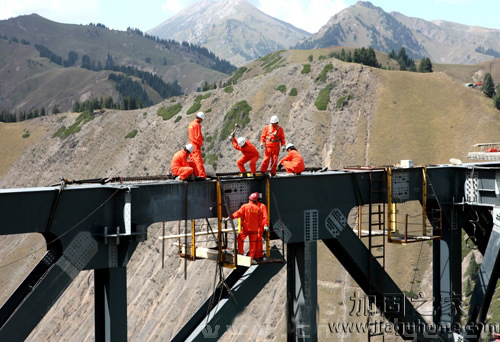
point(232, 28)
point(372, 117)
point(239, 32)
point(365, 25)
point(193, 49)
point(48, 64)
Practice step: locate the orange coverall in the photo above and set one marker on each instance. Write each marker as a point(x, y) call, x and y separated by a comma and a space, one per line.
point(252, 218)
point(250, 154)
point(180, 165)
point(196, 138)
point(272, 137)
point(293, 162)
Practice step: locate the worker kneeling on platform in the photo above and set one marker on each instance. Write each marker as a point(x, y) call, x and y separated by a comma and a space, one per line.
point(253, 220)
point(293, 161)
point(181, 167)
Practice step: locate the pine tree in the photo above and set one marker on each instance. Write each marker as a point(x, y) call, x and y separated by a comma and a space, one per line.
point(496, 101)
point(488, 86)
point(425, 65)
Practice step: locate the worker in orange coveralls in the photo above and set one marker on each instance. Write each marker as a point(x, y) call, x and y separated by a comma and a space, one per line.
point(181, 167)
point(196, 139)
point(272, 136)
point(250, 154)
point(293, 161)
point(252, 218)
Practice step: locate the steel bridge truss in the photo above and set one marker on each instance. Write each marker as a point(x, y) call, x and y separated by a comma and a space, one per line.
point(98, 227)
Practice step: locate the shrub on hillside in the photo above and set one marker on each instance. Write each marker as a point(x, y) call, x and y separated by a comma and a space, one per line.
point(306, 69)
point(322, 76)
point(240, 114)
point(324, 97)
point(169, 112)
point(131, 134)
point(197, 103)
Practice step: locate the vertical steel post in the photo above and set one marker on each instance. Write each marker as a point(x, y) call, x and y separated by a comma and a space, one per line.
point(302, 296)
point(110, 293)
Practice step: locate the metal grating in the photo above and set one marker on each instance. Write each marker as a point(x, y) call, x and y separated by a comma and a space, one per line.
point(81, 250)
point(401, 185)
point(50, 257)
point(311, 225)
point(471, 187)
point(335, 222)
point(113, 252)
point(236, 194)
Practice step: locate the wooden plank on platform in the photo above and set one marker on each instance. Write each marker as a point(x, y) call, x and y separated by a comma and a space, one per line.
point(212, 254)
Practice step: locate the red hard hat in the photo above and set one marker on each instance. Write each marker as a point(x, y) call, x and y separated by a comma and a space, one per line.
point(254, 196)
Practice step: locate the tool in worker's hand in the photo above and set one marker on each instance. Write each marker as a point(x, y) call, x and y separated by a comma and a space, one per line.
point(233, 133)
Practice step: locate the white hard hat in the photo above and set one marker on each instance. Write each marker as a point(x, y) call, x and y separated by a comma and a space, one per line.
point(274, 119)
point(241, 141)
point(200, 115)
point(289, 145)
point(189, 148)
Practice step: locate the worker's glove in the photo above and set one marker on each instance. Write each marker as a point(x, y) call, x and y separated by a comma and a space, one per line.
point(232, 135)
point(225, 219)
point(282, 148)
point(280, 166)
point(261, 145)
point(266, 229)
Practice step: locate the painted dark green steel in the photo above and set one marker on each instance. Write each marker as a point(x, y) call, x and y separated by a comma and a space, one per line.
point(110, 220)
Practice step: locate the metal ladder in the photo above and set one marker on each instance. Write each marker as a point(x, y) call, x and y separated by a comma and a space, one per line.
point(376, 246)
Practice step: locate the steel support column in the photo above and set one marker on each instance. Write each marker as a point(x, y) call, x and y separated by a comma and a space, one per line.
point(447, 277)
point(110, 310)
point(302, 296)
point(485, 286)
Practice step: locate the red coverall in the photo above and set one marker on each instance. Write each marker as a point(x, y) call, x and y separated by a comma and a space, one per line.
point(272, 137)
point(293, 162)
point(196, 139)
point(180, 165)
point(251, 215)
point(250, 154)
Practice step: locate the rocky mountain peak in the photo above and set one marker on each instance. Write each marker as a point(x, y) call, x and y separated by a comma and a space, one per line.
point(233, 29)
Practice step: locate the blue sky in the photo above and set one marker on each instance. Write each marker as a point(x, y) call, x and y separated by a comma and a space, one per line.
point(309, 15)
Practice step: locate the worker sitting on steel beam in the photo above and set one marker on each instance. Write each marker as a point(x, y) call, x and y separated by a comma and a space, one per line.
point(293, 161)
point(250, 154)
point(181, 167)
point(252, 219)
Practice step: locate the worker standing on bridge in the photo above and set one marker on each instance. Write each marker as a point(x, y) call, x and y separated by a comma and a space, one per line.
point(272, 136)
point(196, 138)
point(293, 161)
point(252, 218)
point(181, 167)
point(250, 154)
